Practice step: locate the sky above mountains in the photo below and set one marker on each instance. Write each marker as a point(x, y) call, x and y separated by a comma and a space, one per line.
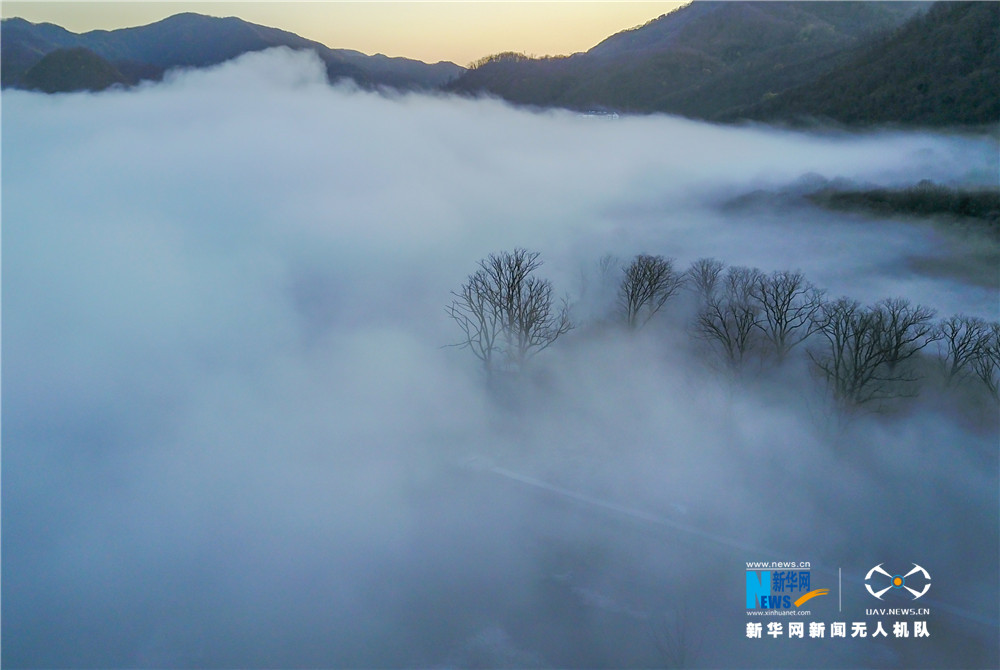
point(460, 32)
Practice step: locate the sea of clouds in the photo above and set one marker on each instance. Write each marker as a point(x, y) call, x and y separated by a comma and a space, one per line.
point(234, 434)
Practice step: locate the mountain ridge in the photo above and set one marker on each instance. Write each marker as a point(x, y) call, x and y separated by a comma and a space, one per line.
point(195, 40)
point(700, 60)
point(908, 78)
point(791, 62)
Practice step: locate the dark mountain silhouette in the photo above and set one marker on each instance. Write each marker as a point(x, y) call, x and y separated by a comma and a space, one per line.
point(194, 40)
point(73, 69)
point(847, 62)
point(941, 68)
point(704, 60)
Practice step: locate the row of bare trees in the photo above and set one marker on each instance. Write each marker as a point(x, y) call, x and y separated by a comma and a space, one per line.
point(864, 353)
point(867, 348)
point(743, 308)
point(970, 347)
point(869, 351)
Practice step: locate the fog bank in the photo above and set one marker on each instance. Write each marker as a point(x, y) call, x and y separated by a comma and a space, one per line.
point(234, 434)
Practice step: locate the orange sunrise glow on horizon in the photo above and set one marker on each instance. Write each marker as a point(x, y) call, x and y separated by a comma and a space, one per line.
point(460, 32)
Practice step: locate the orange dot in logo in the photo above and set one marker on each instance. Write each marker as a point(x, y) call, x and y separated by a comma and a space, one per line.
point(898, 581)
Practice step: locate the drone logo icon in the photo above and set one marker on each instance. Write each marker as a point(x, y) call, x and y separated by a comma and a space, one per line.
point(898, 581)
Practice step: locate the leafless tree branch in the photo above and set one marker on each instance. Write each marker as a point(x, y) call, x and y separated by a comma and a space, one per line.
point(788, 304)
point(703, 275)
point(648, 283)
point(866, 346)
point(506, 314)
point(962, 340)
point(732, 314)
point(987, 364)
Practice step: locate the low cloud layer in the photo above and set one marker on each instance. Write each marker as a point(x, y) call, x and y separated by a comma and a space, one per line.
point(234, 434)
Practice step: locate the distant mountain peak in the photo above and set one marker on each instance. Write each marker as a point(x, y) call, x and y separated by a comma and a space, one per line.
point(190, 39)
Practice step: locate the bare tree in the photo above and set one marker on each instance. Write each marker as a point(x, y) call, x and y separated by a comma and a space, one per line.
point(866, 346)
point(732, 314)
point(987, 364)
point(962, 340)
point(905, 329)
point(853, 355)
point(506, 314)
point(648, 283)
point(476, 313)
point(704, 276)
point(788, 304)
